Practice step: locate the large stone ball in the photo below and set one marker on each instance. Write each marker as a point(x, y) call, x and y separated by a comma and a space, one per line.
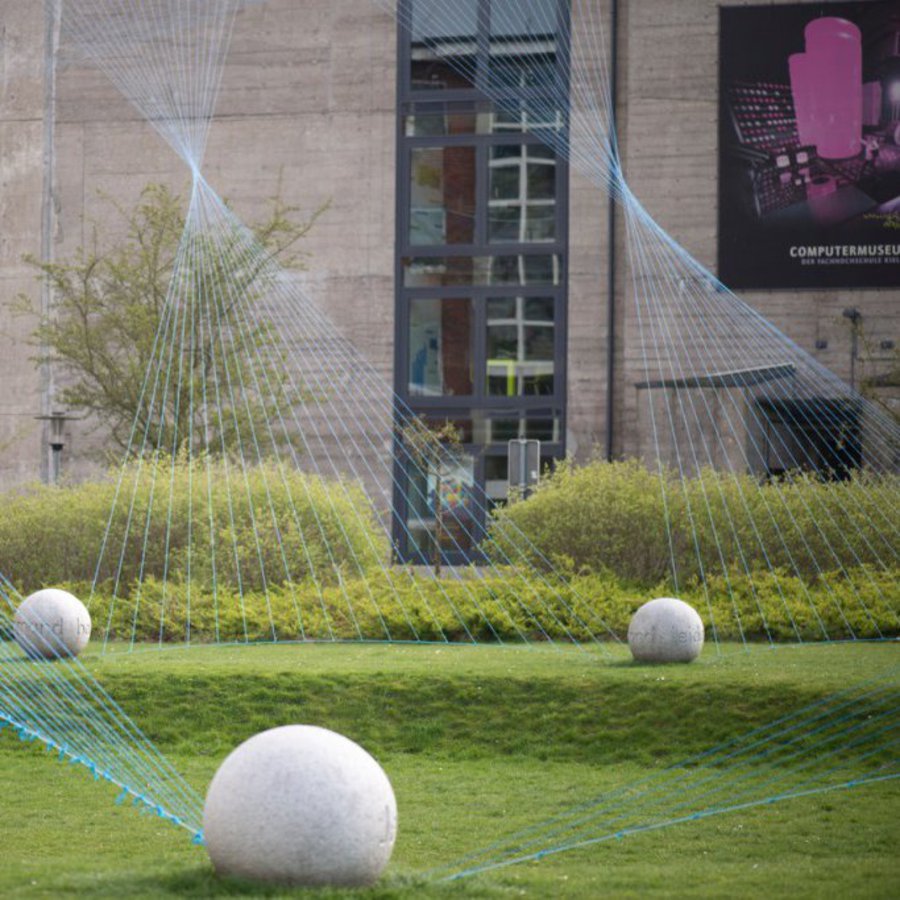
point(665, 630)
point(300, 805)
point(52, 623)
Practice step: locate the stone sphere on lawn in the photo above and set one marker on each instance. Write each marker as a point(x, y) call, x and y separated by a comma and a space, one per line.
point(300, 805)
point(52, 623)
point(665, 630)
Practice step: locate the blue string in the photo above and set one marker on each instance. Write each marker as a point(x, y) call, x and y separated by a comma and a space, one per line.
point(721, 760)
point(655, 826)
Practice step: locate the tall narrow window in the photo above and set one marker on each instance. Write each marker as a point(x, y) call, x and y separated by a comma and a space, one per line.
point(481, 250)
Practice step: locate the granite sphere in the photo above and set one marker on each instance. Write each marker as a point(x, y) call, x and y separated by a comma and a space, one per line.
point(52, 623)
point(665, 630)
point(300, 805)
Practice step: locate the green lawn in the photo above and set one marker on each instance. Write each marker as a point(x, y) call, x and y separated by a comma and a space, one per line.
point(478, 741)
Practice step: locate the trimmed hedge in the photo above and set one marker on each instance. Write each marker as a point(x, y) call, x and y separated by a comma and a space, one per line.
point(50, 535)
point(403, 606)
point(601, 525)
point(611, 517)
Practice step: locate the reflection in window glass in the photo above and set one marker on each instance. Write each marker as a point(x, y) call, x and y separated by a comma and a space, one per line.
point(482, 219)
point(464, 427)
point(496, 479)
point(527, 116)
point(523, 44)
point(531, 428)
point(440, 119)
point(434, 20)
point(450, 271)
point(520, 345)
point(443, 507)
point(430, 73)
point(514, 117)
point(539, 309)
point(518, 19)
point(440, 347)
point(530, 269)
point(442, 196)
point(443, 44)
point(496, 476)
point(440, 271)
point(537, 71)
point(522, 205)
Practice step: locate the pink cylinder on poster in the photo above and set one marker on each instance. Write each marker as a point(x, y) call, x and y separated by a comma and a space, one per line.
point(801, 91)
point(834, 70)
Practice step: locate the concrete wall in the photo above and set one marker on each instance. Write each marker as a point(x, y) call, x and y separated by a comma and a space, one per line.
point(21, 185)
point(588, 252)
point(669, 121)
point(306, 108)
point(308, 102)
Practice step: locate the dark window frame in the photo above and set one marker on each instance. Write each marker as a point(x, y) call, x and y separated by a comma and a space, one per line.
point(480, 398)
point(481, 246)
point(409, 101)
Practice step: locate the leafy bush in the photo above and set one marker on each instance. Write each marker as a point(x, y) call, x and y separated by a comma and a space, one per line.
point(179, 518)
point(602, 525)
point(611, 517)
point(400, 606)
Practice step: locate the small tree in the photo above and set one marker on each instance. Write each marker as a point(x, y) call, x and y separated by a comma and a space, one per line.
point(112, 303)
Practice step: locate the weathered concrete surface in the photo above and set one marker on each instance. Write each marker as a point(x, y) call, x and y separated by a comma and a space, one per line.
point(669, 72)
point(308, 102)
point(21, 177)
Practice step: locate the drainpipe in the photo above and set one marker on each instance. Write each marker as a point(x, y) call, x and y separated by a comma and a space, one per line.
point(611, 239)
point(52, 23)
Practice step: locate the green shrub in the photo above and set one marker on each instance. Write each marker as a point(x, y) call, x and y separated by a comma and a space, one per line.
point(602, 525)
point(611, 517)
point(400, 606)
point(173, 519)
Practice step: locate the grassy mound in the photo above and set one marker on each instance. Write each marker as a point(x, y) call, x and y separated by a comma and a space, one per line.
point(478, 742)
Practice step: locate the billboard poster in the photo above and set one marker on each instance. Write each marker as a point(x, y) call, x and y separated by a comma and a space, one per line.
point(809, 145)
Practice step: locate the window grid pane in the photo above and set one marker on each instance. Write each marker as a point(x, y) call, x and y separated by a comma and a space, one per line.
point(522, 205)
point(440, 347)
point(442, 196)
point(520, 357)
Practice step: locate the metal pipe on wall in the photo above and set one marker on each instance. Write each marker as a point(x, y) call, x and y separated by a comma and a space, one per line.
point(611, 238)
point(52, 25)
